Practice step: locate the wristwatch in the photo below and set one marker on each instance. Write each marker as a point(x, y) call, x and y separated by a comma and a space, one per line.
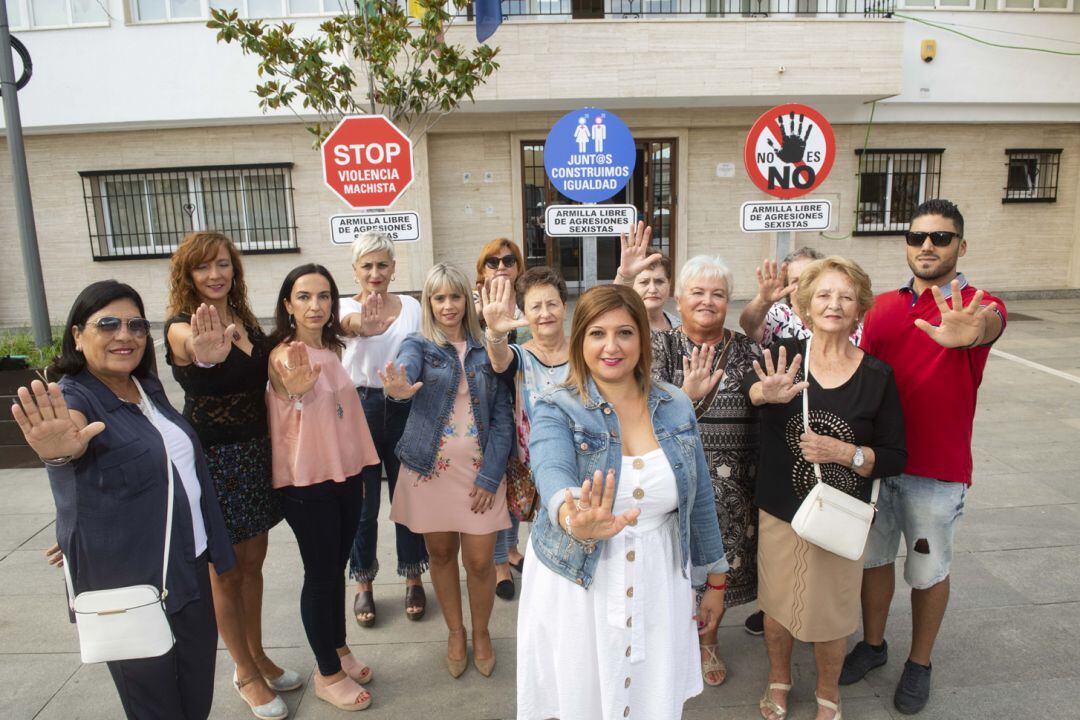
point(858, 459)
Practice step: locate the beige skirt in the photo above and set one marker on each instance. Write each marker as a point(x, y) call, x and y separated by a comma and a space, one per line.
point(811, 592)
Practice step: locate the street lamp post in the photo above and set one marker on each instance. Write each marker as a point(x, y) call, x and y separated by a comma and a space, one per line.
point(24, 211)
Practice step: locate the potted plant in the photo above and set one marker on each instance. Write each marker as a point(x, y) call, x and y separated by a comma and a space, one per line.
point(20, 362)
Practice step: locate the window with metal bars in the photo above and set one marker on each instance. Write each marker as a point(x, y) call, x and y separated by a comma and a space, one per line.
point(891, 184)
point(1032, 175)
point(147, 213)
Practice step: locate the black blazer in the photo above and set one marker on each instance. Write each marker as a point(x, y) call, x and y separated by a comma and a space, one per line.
point(110, 503)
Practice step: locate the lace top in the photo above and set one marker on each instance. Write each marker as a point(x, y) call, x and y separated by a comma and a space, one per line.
point(225, 403)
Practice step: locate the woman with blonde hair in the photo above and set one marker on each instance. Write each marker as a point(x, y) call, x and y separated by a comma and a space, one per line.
point(855, 435)
point(606, 627)
point(219, 356)
point(374, 323)
point(453, 456)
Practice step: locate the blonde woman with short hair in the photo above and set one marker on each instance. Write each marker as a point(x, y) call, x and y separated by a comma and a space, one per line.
point(375, 322)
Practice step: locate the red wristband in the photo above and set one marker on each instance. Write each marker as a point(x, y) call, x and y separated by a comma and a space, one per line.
point(715, 587)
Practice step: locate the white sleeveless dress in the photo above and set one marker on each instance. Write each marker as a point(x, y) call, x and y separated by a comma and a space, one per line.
point(627, 646)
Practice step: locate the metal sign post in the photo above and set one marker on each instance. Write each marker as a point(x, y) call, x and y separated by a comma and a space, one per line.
point(24, 209)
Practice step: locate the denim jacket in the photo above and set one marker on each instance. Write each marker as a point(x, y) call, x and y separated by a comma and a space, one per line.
point(440, 371)
point(575, 439)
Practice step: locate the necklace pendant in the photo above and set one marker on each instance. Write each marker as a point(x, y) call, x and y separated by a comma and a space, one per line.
point(340, 411)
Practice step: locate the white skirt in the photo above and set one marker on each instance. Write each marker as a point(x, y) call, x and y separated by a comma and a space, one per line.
point(626, 646)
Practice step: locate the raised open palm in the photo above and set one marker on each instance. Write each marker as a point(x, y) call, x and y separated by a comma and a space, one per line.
point(297, 373)
point(960, 326)
point(396, 382)
point(698, 376)
point(634, 256)
point(42, 415)
point(770, 282)
point(211, 340)
point(500, 307)
point(591, 517)
point(371, 321)
point(778, 384)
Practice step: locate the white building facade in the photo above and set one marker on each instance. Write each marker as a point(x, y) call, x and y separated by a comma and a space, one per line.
point(140, 127)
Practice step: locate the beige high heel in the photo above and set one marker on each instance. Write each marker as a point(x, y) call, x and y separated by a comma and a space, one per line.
point(485, 666)
point(345, 694)
point(829, 705)
point(457, 667)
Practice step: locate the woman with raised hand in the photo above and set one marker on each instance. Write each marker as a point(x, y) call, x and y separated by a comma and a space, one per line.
point(536, 365)
point(649, 273)
point(219, 355)
point(856, 434)
point(321, 444)
point(709, 363)
point(453, 456)
point(375, 322)
point(106, 434)
point(606, 626)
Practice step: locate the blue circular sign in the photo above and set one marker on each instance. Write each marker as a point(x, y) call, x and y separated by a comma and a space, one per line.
point(589, 155)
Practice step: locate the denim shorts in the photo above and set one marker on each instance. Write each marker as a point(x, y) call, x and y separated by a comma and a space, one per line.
point(926, 511)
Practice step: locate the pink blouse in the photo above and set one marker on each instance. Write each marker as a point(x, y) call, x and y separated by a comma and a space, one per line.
point(326, 439)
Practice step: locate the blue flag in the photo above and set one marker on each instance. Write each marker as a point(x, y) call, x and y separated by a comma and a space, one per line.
point(488, 18)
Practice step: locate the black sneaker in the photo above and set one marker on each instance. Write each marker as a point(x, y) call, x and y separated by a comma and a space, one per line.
point(913, 690)
point(861, 660)
point(755, 623)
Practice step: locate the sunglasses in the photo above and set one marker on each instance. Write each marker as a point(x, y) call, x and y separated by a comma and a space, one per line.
point(109, 325)
point(940, 238)
point(508, 261)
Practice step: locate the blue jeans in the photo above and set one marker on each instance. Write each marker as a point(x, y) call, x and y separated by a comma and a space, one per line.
point(925, 511)
point(506, 539)
point(386, 421)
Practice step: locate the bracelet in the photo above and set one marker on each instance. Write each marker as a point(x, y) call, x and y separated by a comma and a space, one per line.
point(624, 278)
point(57, 461)
point(715, 587)
point(204, 365)
point(588, 544)
point(495, 340)
point(297, 401)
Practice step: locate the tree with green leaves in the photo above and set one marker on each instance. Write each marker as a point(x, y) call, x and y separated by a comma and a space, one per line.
point(412, 75)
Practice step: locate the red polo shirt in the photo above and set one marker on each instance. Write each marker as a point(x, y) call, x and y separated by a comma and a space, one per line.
point(938, 386)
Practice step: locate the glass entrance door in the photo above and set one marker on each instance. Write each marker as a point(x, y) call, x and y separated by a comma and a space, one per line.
point(651, 191)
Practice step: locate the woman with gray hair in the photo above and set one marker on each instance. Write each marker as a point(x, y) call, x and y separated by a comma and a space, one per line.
point(375, 323)
point(709, 362)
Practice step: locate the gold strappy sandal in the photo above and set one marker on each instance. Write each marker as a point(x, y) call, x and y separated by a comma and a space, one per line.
point(767, 704)
point(829, 705)
point(712, 663)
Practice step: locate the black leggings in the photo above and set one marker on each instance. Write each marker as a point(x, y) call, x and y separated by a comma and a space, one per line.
point(324, 518)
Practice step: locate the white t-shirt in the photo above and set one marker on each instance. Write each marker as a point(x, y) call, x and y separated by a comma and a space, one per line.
point(365, 356)
point(183, 458)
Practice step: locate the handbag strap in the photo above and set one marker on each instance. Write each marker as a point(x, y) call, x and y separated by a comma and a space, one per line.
point(806, 423)
point(146, 402)
point(152, 413)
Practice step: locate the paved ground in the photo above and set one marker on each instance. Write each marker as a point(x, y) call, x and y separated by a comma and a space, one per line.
point(1010, 644)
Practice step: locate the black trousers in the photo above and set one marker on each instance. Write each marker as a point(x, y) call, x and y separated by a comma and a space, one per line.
point(324, 518)
point(179, 685)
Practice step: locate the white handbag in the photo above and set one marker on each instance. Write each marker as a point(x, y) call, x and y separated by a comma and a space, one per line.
point(126, 623)
point(830, 518)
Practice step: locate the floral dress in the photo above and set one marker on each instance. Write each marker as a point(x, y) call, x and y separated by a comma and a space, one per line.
point(729, 436)
point(441, 501)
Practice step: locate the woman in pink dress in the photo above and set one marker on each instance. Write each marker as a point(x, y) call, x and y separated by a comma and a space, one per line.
point(453, 456)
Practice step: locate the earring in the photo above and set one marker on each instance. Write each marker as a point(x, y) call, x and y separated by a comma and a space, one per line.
point(393, 277)
point(292, 321)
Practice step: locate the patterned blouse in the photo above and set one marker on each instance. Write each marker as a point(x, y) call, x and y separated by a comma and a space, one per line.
point(729, 436)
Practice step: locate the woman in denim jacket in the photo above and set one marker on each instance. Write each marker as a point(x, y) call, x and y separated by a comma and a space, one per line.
point(607, 619)
point(453, 456)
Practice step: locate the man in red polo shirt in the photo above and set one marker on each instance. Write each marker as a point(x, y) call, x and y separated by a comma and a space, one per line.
point(935, 332)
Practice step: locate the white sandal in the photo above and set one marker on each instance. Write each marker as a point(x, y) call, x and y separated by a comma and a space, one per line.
point(712, 663)
point(769, 705)
point(829, 705)
point(276, 709)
